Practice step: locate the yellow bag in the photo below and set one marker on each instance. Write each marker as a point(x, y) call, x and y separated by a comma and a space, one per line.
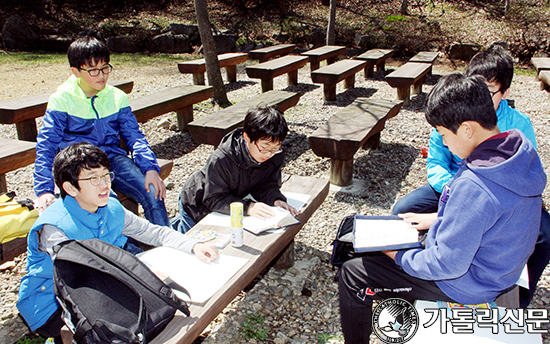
point(16, 217)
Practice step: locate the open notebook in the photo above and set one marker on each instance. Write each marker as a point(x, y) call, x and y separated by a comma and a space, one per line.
point(380, 233)
point(281, 219)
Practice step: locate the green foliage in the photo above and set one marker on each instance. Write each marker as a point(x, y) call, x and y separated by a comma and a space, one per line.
point(250, 327)
point(395, 18)
point(27, 339)
point(293, 28)
point(324, 338)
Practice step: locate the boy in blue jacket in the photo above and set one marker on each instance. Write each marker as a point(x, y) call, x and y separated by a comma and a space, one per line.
point(85, 211)
point(497, 67)
point(86, 109)
point(492, 203)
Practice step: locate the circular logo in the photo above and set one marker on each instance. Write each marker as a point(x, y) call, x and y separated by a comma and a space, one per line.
point(394, 321)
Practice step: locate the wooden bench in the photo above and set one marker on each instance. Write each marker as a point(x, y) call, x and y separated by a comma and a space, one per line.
point(212, 128)
point(229, 61)
point(13, 155)
point(179, 99)
point(540, 64)
point(355, 126)
point(410, 74)
point(266, 53)
point(327, 52)
point(544, 77)
point(375, 57)
point(425, 57)
point(332, 74)
point(23, 112)
point(260, 250)
point(267, 71)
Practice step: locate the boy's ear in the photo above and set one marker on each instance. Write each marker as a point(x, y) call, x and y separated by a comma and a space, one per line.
point(70, 189)
point(246, 137)
point(468, 129)
point(75, 71)
point(506, 93)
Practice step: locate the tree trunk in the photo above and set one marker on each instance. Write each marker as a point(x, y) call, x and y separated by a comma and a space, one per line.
point(404, 7)
point(506, 7)
point(331, 23)
point(210, 54)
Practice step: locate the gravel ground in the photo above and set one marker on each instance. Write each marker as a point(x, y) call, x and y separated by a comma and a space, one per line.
point(299, 305)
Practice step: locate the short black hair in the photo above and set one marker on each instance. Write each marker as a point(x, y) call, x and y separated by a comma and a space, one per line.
point(494, 63)
point(457, 98)
point(88, 50)
point(265, 123)
point(68, 163)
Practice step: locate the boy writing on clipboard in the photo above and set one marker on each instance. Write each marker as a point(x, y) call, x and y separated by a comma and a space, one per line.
point(493, 201)
point(248, 161)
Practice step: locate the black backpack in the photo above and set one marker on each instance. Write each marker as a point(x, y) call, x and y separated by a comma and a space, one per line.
point(108, 295)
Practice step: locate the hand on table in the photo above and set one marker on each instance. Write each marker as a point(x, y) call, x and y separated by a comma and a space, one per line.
point(284, 205)
point(206, 252)
point(260, 210)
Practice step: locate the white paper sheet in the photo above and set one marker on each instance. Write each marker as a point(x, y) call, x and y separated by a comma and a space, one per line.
point(202, 280)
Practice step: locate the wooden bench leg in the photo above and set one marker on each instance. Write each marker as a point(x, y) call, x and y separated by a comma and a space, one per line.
point(267, 84)
point(381, 66)
point(331, 60)
point(231, 73)
point(544, 86)
point(349, 82)
point(369, 71)
point(26, 130)
point(292, 77)
point(417, 88)
point(285, 259)
point(314, 65)
point(185, 116)
point(404, 94)
point(3, 183)
point(329, 92)
point(131, 205)
point(198, 79)
point(373, 142)
point(341, 172)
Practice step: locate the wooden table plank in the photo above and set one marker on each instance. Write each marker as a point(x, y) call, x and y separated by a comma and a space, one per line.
point(16, 154)
point(425, 57)
point(332, 74)
point(540, 63)
point(259, 249)
point(264, 54)
point(274, 68)
point(327, 52)
point(405, 75)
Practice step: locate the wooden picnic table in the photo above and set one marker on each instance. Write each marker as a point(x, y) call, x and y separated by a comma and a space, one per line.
point(327, 52)
point(228, 61)
point(260, 250)
point(264, 54)
point(425, 57)
point(540, 64)
point(24, 111)
point(13, 155)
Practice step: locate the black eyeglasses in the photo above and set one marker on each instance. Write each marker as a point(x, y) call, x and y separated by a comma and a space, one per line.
point(96, 180)
point(269, 151)
point(95, 71)
point(493, 93)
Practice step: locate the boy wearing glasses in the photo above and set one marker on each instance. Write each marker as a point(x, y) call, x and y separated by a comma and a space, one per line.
point(497, 67)
point(247, 161)
point(85, 108)
point(85, 211)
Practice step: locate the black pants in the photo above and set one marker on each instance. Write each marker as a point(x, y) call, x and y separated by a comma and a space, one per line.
point(376, 277)
point(52, 327)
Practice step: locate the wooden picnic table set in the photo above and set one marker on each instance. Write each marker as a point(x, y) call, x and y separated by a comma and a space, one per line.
point(355, 126)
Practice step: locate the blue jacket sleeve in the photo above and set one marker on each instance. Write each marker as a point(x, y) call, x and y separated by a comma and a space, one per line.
point(47, 142)
point(454, 238)
point(509, 118)
point(441, 167)
point(136, 142)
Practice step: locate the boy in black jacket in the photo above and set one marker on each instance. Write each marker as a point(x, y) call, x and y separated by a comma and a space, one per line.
point(247, 161)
